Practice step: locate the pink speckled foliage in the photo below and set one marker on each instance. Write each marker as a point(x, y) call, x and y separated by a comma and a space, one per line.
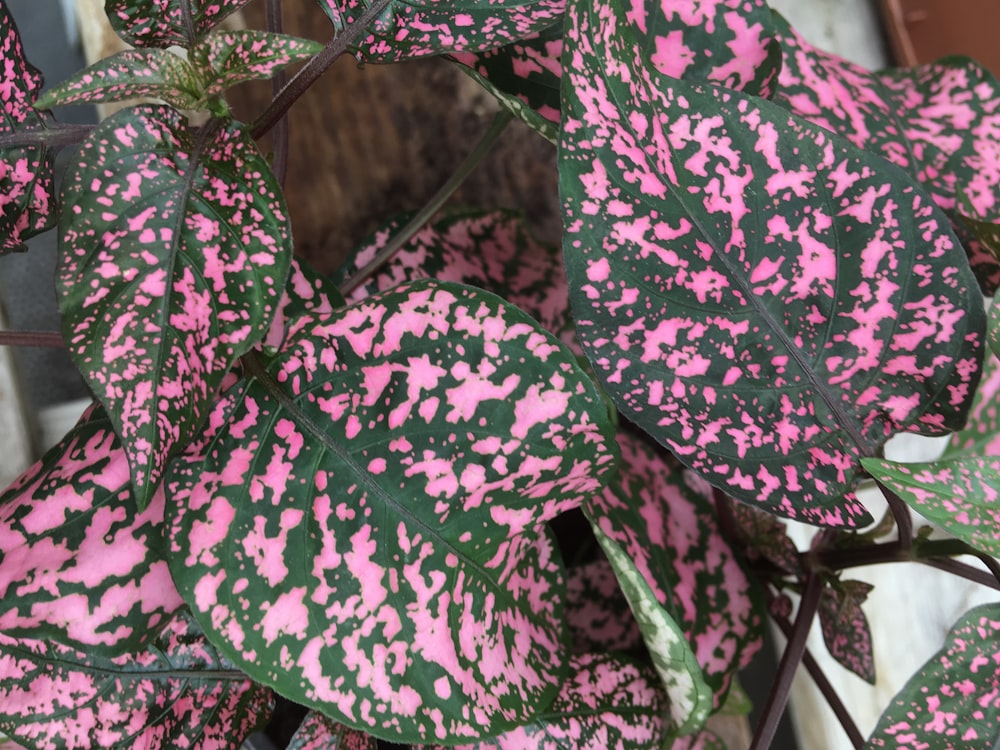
point(981, 434)
point(940, 122)
point(227, 58)
point(845, 627)
point(177, 693)
point(953, 702)
point(317, 732)
point(608, 702)
point(417, 441)
point(435, 27)
point(664, 519)
point(597, 611)
point(764, 536)
point(80, 564)
point(768, 301)
point(25, 171)
point(166, 23)
point(174, 250)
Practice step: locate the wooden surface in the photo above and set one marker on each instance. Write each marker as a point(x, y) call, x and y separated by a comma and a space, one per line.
point(922, 31)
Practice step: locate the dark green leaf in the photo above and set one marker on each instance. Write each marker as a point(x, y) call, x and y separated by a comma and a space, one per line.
point(845, 627)
point(317, 732)
point(227, 58)
point(165, 23)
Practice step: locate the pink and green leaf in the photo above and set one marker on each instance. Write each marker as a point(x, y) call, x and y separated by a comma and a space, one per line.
point(690, 697)
point(26, 181)
point(227, 58)
point(954, 700)
point(134, 73)
point(608, 701)
point(317, 732)
point(417, 441)
point(174, 250)
point(308, 294)
point(940, 122)
point(765, 536)
point(981, 434)
point(961, 495)
point(845, 627)
point(766, 300)
point(597, 612)
point(80, 564)
point(167, 23)
point(664, 521)
point(409, 30)
point(179, 692)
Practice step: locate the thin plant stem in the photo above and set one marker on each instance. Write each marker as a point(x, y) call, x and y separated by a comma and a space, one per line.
point(48, 339)
point(962, 570)
point(790, 659)
point(316, 67)
point(52, 135)
point(823, 685)
point(500, 121)
point(280, 131)
point(901, 512)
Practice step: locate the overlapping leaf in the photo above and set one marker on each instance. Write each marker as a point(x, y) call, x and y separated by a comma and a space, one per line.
point(434, 27)
point(177, 693)
point(981, 434)
point(962, 495)
point(228, 58)
point(954, 700)
point(940, 122)
point(166, 23)
point(490, 249)
point(416, 442)
point(317, 732)
point(25, 171)
point(80, 564)
point(133, 73)
point(664, 521)
point(766, 300)
point(765, 536)
point(597, 611)
point(845, 627)
point(174, 250)
point(607, 702)
point(307, 295)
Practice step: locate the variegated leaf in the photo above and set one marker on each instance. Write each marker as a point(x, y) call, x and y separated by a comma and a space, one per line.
point(704, 740)
point(608, 702)
point(524, 77)
point(407, 30)
point(765, 536)
point(307, 295)
point(174, 250)
point(845, 627)
point(416, 441)
point(981, 434)
point(154, 73)
point(166, 23)
point(80, 564)
point(178, 693)
point(940, 122)
point(227, 58)
point(26, 190)
point(766, 300)
point(961, 495)
point(953, 702)
point(317, 732)
point(664, 521)
point(597, 611)
point(690, 697)
point(490, 249)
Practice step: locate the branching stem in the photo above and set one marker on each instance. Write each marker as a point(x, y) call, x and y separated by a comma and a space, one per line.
point(500, 121)
point(316, 67)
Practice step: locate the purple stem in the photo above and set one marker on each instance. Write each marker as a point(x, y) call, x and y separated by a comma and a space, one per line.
point(313, 69)
point(279, 135)
point(901, 512)
point(52, 135)
point(50, 339)
point(790, 659)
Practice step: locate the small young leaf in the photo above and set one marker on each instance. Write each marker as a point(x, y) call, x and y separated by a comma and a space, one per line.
point(675, 662)
point(767, 301)
point(608, 701)
point(961, 495)
point(416, 442)
point(663, 519)
point(174, 250)
point(166, 23)
point(130, 74)
point(765, 536)
point(227, 58)
point(179, 692)
point(597, 611)
point(704, 740)
point(524, 77)
point(25, 171)
point(407, 30)
point(952, 702)
point(845, 627)
point(317, 732)
point(80, 565)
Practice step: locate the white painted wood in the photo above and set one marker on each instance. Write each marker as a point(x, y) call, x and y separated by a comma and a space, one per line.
point(849, 28)
point(17, 433)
